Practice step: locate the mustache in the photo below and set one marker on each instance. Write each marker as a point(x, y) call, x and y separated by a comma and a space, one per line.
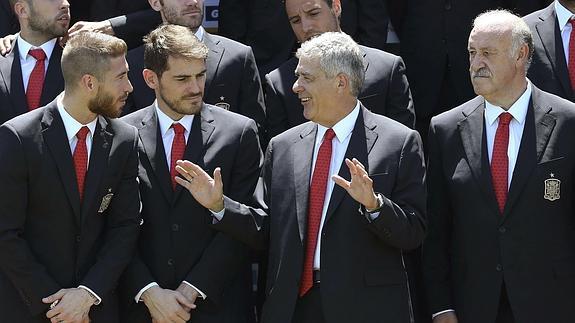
point(482, 72)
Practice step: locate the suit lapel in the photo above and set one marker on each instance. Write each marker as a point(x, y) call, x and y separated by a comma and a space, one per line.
point(202, 129)
point(362, 140)
point(472, 133)
point(302, 164)
point(539, 125)
point(56, 139)
point(53, 82)
point(101, 144)
point(12, 73)
point(154, 148)
point(215, 54)
point(550, 35)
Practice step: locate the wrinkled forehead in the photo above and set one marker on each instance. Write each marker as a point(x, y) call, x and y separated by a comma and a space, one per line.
point(482, 35)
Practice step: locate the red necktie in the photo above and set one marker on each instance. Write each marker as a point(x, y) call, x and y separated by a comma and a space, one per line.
point(571, 63)
point(81, 159)
point(315, 208)
point(36, 81)
point(178, 148)
point(500, 161)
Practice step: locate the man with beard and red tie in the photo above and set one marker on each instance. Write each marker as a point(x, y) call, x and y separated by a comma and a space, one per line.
point(69, 216)
point(30, 75)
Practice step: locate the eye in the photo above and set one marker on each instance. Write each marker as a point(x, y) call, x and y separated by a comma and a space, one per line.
point(295, 21)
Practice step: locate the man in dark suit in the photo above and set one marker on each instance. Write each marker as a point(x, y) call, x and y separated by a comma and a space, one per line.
point(551, 30)
point(30, 76)
point(385, 91)
point(180, 255)
point(69, 216)
point(232, 79)
point(335, 251)
point(501, 246)
point(433, 41)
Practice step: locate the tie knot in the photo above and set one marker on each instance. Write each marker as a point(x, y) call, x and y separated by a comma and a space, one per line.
point(178, 128)
point(82, 133)
point(329, 134)
point(505, 118)
point(38, 54)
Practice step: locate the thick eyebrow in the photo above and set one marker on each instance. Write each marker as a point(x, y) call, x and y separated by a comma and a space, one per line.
point(122, 73)
point(189, 75)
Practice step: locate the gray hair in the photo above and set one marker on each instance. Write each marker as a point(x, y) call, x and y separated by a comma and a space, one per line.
point(520, 32)
point(337, 53)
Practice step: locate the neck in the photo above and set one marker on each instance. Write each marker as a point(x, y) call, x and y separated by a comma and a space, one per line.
point(34, 38)
point(569, 4)
point(77, 107)
point(513, 94)
point(345, 107)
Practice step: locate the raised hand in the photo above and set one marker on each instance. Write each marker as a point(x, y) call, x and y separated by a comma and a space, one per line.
point(208, 191)
point(360, 188)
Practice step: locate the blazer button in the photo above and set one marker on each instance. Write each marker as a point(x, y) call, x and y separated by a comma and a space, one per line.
point(502, 229)
point(175, 227)
point(499, 267)
point(448, 6)
point(170, 262)
point(78, 238)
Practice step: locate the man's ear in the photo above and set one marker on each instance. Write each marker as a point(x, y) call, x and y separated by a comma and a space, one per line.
point(151, 78)
point(156, 4)
point(89, 83)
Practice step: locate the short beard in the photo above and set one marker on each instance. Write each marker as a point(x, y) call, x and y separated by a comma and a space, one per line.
point(39, 24)
point(176, 106)
point(103, 104)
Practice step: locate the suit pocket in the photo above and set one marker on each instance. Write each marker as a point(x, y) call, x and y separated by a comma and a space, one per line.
point(552, 160)
point(379, 277)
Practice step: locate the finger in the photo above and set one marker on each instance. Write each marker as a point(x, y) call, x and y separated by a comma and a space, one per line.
point(188, 166)
point(189, 176)
point(218, 177)
point(358, 163)
point(75, 27)
point(183, 300)
point(6, 46)
point(56, 296)
point(367, 180)
point(54, 312)
point(352, 168)
point(183, 182)
point(341, 182)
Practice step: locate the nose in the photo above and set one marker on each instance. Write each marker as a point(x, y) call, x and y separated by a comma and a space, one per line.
point(306, 25)
point(130, 88)
point(65, 4)
point(476, 62)
point(296, 87)
point(194, 86)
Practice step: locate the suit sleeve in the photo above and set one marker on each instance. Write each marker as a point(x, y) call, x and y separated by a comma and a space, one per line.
point(122, 226)
point(372, 23)
point(17, 261)
point(233, 19)
point(401, 221)
point(250, 224)
point(251, 97)
point(225, 256)
point(277, 120)
point(399, 101)
point(133, 27)
point(436, 260)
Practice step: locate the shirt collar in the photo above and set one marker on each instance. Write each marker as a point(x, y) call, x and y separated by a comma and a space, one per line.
point(343, 127)
point(166, 122)
point(24, 47)
point(72, 125)
point(200, 33)
point(518, 110)
point(563, 15)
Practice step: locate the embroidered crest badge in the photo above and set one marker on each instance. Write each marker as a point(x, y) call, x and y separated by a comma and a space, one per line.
point(552, 188)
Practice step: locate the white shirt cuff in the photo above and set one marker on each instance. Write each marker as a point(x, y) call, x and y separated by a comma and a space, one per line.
point(197, 290)
point(439, 313)
point(138, 297)
point(98, 299)
point(218, 215)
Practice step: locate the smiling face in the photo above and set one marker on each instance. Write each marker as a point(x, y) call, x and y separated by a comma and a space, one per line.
point(310, 18)
point(113, 89)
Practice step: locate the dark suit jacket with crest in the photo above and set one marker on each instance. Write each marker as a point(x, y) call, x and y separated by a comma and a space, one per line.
point(12, 94)
point(177, 242)
point(548, 69)
point(49, 239)
point(385, 91)
point(363, 278)
point(472, 249)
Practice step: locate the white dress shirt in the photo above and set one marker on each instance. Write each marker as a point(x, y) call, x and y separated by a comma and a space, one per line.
point(519, 112)
point(72, 126)
point(343, 130)
point(563, 16)
point(167, 132)
point(27, 62)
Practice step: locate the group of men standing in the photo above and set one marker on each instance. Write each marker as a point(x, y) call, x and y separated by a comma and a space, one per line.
point(154, 217)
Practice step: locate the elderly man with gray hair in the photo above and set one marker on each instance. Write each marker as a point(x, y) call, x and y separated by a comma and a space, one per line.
point(501, 246)
point(339, 198)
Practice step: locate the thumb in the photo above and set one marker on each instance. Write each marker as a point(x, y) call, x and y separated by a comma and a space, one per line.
point(183, 300)
point(52, 298)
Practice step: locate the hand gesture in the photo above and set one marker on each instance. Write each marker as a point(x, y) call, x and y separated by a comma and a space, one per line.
point(167, 305)
point(208, 191)
point(73, 305)
point(360, 188)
